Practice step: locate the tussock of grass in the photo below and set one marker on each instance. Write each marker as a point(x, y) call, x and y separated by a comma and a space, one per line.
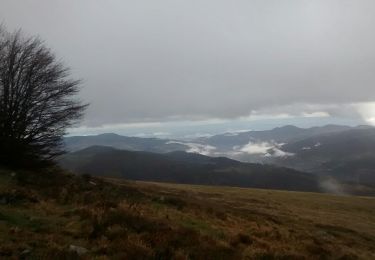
point(44, 213)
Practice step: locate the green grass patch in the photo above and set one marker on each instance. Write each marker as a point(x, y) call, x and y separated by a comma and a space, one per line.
point(203, 227)
point(23, 220)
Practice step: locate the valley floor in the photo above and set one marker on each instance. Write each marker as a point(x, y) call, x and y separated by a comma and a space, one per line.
point(60, 216)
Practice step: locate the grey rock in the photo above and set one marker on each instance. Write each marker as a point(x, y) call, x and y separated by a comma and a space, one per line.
point(78, 249)
point(25, 252)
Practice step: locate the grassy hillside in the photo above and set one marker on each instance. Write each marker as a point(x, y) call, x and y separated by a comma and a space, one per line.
point(52, 215)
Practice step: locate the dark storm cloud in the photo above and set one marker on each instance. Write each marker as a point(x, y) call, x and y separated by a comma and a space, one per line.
point(170, 59)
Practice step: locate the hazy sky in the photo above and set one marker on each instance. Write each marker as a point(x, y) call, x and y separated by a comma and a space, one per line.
point(231, 64)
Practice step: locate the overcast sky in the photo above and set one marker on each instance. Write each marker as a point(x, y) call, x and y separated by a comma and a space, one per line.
point(231, 64)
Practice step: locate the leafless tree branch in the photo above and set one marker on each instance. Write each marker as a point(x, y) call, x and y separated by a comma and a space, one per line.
point(37, 100)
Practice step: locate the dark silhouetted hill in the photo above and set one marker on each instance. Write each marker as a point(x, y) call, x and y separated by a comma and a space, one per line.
point(182, 167)
point(156, 145)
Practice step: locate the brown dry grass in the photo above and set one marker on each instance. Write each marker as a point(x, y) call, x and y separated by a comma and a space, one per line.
point(134, 220)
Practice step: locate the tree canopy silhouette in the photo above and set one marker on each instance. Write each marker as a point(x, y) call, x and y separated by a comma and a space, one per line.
point(38, 101)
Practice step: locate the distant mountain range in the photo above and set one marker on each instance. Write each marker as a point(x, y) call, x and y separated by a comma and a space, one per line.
point(156, 145)
point(346, 154)
point(182, 167)
point(222, 143)
point(283, 134)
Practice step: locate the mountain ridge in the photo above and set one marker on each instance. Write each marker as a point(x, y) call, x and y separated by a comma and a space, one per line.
point(148, 166)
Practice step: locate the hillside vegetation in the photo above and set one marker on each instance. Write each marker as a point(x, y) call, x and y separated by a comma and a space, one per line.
point(53, 215)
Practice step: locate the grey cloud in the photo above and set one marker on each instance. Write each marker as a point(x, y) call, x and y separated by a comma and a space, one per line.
point(156, 60)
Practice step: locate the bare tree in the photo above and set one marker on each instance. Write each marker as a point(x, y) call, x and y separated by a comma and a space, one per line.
point(37, 101)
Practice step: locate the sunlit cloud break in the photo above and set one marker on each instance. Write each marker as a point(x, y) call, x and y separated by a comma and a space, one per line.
point(268, 149)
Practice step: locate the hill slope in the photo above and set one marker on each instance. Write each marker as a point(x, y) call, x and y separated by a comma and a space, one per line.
point(156, 145)
point(348, 156)
point(182, 167)
point(49, 215)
